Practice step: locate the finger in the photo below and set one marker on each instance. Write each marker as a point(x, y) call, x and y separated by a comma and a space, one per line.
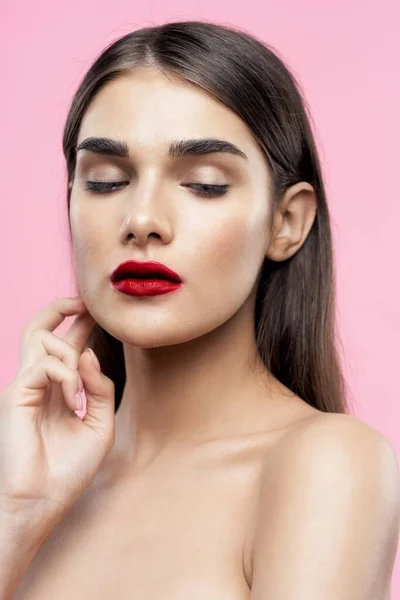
point(100, 399)
point(48, 343)
point(32, 384)
point(52, 316)
point(79, 332)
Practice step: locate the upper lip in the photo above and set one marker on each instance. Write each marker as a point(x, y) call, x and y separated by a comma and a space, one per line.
point(135, 267)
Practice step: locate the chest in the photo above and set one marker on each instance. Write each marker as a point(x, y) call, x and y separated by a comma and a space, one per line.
point(174, 537)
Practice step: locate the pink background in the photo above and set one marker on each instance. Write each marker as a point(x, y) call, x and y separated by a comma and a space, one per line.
point(346, 56)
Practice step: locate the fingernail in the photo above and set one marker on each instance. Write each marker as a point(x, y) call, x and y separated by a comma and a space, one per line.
point(78, 401)
point(95, 360)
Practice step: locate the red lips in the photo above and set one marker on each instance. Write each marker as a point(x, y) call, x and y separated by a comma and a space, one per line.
point(132, 269)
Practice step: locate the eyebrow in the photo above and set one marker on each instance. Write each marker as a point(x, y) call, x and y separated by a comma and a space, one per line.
point(177, 148)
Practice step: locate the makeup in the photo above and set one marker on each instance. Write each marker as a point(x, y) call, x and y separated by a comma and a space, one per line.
point(150, 278)
point(145, 287)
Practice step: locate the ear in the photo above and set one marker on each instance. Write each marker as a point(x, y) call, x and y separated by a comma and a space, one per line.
point(292, 221)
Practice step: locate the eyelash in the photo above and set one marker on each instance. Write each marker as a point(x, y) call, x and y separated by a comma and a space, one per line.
point(104, 187)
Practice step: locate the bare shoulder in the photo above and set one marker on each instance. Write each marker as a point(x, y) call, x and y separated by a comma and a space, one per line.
point(330, 489)
point(340, 442)
point(337, 431)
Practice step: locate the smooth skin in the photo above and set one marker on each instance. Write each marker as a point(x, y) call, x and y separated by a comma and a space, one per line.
point(221, 483)
point(47, 471)
point(48, 455)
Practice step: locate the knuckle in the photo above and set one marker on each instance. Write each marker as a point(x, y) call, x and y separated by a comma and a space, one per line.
point(36, 332)
point(31, 340)
point(50, 361)
point(70, 350)
point(51, 338)
point(56, 302)
point(28, 332)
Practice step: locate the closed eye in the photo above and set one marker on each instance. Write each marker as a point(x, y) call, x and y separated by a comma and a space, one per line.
point(108, 187)
point(204, 189)
point(104, 187)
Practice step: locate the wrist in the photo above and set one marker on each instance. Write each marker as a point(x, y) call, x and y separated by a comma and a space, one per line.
point(22, 534)
point(18, 547)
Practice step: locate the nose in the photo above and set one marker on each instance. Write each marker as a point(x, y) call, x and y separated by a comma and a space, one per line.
point(146, 218)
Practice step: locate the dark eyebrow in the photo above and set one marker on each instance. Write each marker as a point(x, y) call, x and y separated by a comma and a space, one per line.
point(177, 148)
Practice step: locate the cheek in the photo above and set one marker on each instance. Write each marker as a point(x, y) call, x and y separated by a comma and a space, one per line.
point(89, 243)
point(227, 253)
point(237, 249)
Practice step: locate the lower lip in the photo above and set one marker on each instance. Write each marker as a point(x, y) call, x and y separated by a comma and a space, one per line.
point(145, 287)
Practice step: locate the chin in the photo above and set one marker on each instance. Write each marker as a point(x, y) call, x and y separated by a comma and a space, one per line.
point(153, 334)
point(154, 327)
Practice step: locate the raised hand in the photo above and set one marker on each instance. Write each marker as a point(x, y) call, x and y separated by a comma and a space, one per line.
point(48, 454)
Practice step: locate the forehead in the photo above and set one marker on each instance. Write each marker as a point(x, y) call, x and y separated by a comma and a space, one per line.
point(149, 109)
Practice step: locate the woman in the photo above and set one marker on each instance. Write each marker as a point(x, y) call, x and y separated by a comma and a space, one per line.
point(232, 467)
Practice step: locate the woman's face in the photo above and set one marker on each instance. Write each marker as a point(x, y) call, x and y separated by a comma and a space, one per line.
point(216, 244)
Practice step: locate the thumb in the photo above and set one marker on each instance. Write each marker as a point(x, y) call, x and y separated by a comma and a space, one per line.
point(100, 395)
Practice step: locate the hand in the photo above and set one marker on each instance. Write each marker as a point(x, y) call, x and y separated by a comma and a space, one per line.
point(48, 454)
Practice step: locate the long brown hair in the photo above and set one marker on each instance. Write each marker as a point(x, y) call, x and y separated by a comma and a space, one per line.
point(295, 320)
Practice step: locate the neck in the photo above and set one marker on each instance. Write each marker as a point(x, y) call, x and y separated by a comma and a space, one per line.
point(181, 395)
